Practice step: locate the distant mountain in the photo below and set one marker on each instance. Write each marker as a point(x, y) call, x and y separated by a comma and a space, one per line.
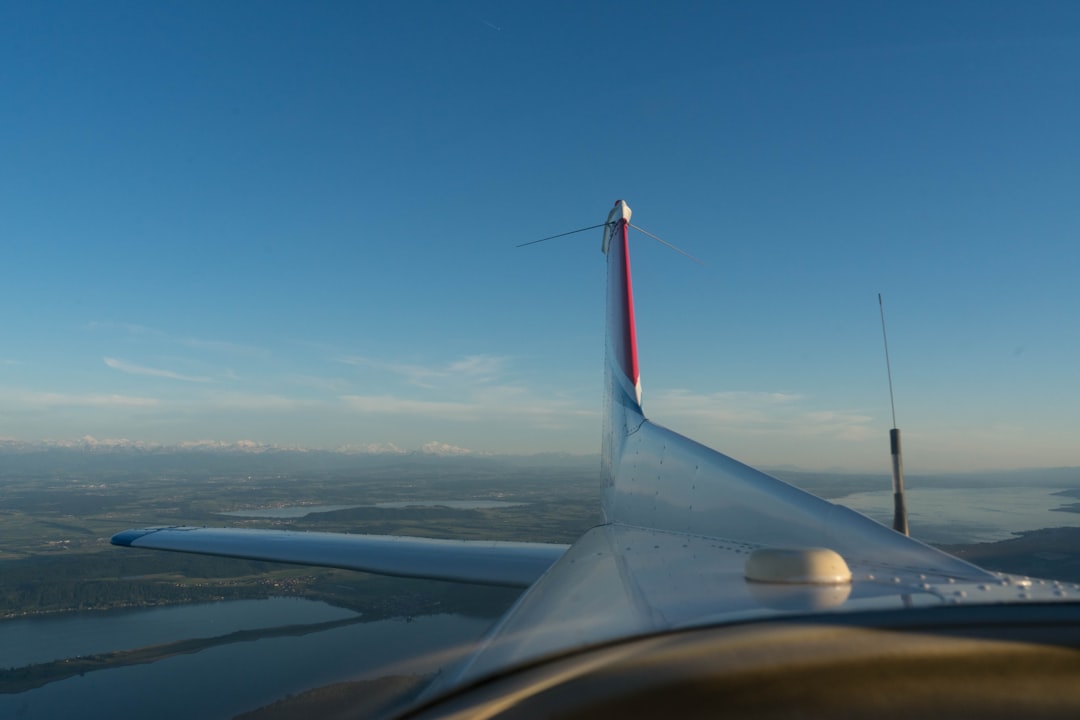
point(124, 457)
point(92, 444)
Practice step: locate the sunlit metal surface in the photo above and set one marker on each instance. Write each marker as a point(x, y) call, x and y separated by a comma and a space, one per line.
point(514, 564)
point(666, 481)
point(620, 581)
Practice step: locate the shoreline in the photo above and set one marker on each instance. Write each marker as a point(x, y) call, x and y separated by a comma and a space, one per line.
point(30, 677)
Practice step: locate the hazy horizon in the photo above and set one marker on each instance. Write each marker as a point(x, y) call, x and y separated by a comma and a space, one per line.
point(103, 447)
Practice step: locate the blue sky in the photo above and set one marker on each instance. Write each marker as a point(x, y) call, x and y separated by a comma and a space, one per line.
point(294, 223)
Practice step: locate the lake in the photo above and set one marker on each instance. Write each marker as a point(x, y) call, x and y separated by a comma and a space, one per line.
point(40, 639)
point(224, 680)
point(950, 515)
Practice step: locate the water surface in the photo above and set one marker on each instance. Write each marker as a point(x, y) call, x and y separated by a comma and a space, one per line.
point(969, 514)
point(52, 637)
point(225, 680)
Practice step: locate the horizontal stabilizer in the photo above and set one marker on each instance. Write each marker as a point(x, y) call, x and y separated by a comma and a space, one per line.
point(484, 562)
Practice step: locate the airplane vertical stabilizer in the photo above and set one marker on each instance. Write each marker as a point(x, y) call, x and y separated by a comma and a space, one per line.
point(655, 478)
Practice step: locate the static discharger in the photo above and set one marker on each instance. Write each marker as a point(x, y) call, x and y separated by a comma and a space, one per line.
point(900, 524)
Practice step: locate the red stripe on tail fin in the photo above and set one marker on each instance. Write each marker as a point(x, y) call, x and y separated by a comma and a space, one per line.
point(622, 384)
point(622, 353)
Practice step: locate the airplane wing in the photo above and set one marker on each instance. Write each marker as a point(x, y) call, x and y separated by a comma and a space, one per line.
point(513, 564)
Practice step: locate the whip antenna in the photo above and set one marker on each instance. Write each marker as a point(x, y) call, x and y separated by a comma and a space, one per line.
point(643, 231)
point(900, 523)
point(552, 237)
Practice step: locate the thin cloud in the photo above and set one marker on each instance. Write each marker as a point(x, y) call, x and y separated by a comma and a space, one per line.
point(97, 401)
point(739, 407)
point(500, 404)
point(251, 401)
point(331, 384)
point(478, 367)
point(757, 413)
point(223, 346)
point(219, 346)
point(126, 327)
point(414, 374)
point(471, 369)
point(390, 405)
point(133, 369)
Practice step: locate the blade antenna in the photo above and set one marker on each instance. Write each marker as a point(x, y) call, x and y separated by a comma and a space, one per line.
point(552, 237)
point(900, 523)
point(665, 242)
